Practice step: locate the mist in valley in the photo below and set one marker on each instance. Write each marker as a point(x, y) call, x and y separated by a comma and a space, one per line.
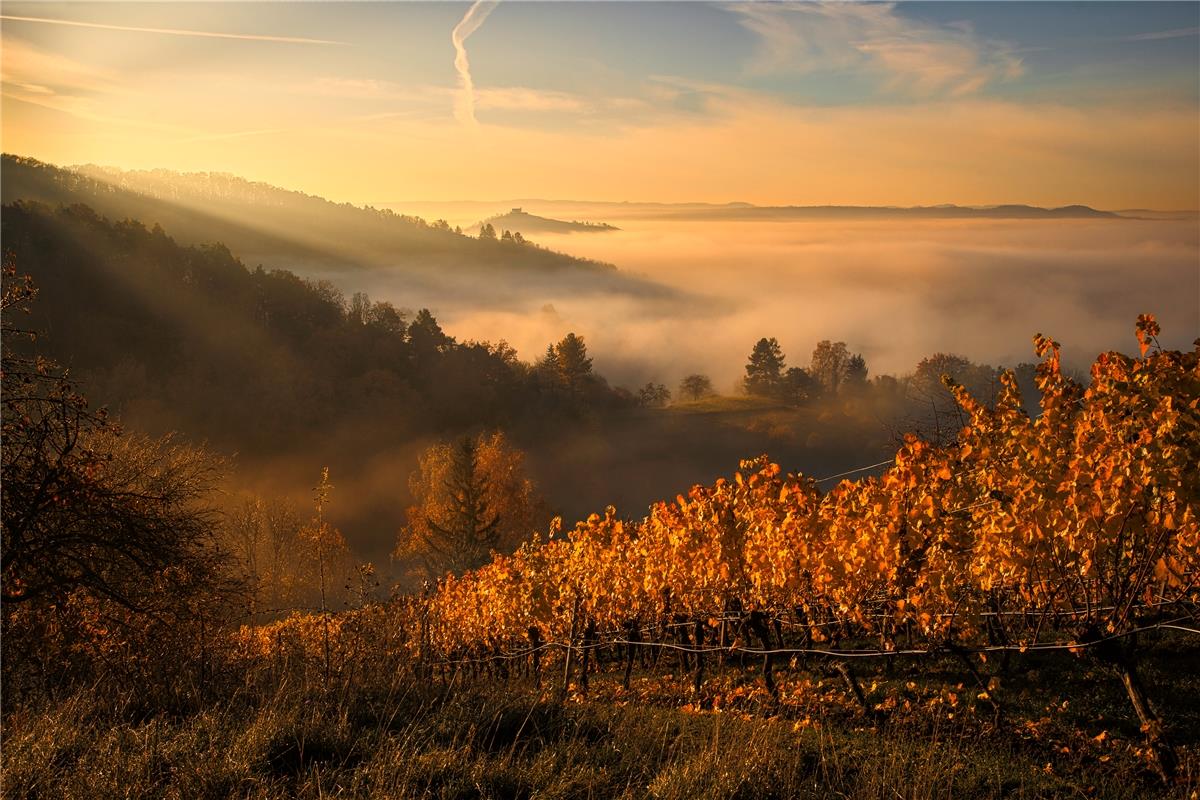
point(895, 290)
point(674, 290)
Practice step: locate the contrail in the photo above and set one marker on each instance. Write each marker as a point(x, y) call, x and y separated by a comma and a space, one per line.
point(464, 104)
point(170, 31)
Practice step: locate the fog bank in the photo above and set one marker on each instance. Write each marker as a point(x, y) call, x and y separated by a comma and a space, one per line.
point(895, 290)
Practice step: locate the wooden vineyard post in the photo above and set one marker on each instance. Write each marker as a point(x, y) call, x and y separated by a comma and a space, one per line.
point(588, 644)
point(568, 661)
point(633, 635)
point(535, 647)
point(423, 643)
point(1122, 657)
point(279, 664)
point(723, 643)
point(758, 624)
point(1166, 762)
point(856, 689)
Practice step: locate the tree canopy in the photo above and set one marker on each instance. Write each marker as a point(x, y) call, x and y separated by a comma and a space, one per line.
point(189, 339)
point(84, 505)
point(654, 395)
point(764, 371)
point(470, 498)
point(696, 387)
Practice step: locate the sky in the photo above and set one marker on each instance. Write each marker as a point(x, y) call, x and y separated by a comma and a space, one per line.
point(773, 103)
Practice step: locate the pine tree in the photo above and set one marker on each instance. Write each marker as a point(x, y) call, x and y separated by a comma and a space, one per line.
point(471, 498)
point(573, 360)
point(764, 372)
point(470, 527)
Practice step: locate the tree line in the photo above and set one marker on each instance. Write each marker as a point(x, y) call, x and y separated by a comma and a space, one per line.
point(189, 338)
point(836, 377)
point(278, 226)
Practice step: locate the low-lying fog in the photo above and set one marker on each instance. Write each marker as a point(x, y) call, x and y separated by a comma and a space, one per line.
point(895, 290)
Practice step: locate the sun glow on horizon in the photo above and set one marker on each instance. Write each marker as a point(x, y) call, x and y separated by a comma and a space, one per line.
point(801, 104)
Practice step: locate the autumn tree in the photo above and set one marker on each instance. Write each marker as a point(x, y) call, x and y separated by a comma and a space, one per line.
point(471, 498)
point(264, 535)
point(247, 535)
point(288, 563)
point(327, 557)
point(101, 530)
point(83, 505)
point(381, 316)
point(764, 372)
point(828, 365)
point(696, 387)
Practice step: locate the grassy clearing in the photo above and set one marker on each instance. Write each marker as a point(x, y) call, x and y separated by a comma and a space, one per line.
point(487, 739)
point(727, 404)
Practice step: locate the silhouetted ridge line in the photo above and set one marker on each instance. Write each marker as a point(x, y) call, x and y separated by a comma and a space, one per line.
point(277, 227)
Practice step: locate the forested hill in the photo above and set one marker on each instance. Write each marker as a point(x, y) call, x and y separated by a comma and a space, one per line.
point(187, 338)
point(521, 221)
point(276, 227)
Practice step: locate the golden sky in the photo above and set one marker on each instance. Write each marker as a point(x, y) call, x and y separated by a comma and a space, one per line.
point(771, 104)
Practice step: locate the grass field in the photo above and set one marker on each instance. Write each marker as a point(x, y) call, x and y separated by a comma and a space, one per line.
point(1065, 731)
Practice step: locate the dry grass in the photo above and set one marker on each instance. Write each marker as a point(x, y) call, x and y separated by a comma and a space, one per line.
point(491, 740)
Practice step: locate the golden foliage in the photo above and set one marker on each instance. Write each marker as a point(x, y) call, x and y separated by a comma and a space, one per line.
point(470, 498)
point(1088, 512)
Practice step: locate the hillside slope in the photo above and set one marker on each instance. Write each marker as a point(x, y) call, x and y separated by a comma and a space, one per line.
point(187, 338)
point(263, 224)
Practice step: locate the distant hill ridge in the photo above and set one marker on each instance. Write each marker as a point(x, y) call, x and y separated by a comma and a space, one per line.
point(625, 210)
point(531, 224)
point(170, 184)
point(277, 227)
point(189, 338)
point(1006, 211)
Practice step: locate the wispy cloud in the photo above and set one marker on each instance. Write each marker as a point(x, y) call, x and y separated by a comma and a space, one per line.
point(430, 101)
point(26, 66)
point(1174, 33)
point(55, 81)
point(907, 56)
point(464, 108)
point(254, 37)
point(523, 98)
